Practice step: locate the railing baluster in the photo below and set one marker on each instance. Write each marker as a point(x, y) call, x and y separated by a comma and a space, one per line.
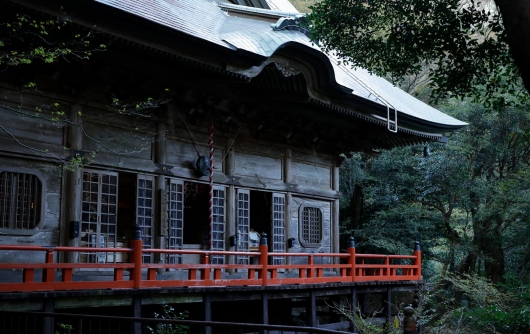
point(48, 274)
point(66, 275)
point(205, 273)
point(28, 275)
point(311, 263)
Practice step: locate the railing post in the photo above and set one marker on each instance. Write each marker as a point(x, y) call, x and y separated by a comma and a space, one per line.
point(264, 259)
point(48, 274)
point(310, 264)
point(417, 261)
point(351, 259)
point(205, 273)
point(409, 323)
point(136, 258)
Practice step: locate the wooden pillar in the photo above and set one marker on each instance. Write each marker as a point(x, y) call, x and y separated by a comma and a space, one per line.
point(361, 300)
point(287, 171)
point(265, 310)
point(388, 306)
point(311, 309)
point(160, 218)
point(48, 322)
point(137, 313)
point(335, 234)
point(231, 201)
point(72, 183)
point(353, 306)
point(207, 301)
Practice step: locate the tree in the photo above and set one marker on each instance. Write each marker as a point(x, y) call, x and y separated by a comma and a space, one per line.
point(31, 45)
point(469, 197)
point(462, 41)
point(516, 20)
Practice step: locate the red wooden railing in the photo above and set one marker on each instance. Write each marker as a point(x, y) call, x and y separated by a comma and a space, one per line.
point(309, 269)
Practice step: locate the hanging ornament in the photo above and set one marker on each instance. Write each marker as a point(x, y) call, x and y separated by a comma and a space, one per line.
point(203, 165)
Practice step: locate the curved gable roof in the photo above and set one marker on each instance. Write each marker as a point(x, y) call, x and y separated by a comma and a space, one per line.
point(245, 45)
point(207, 21)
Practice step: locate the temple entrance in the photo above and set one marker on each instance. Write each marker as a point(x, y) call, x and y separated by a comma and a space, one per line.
point(258, 212)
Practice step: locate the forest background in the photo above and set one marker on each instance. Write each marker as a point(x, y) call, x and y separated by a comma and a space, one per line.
point(467, 201)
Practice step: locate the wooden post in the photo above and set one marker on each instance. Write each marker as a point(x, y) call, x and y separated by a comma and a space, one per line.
point(351, 260)
point(72, 184)
point(48, 274)
point(48, 322)
point(353, 306)
point(137, 313)
point(161, 227)
point(288, 178)
point(335, 233)
point(205, 273)
point(389, 308)
point(311, 310)
point(265, 310)
point(264, 259)
point(136, 258)
point(207, 312)
point(417, 261)
point(409, 323)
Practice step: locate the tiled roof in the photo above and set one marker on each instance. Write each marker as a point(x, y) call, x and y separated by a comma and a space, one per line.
point(204, 20)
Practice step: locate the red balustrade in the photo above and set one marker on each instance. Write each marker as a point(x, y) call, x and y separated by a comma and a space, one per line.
point(300, 268)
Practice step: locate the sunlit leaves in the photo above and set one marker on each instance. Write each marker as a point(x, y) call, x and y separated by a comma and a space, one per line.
point(463, 43)
point(24, 40)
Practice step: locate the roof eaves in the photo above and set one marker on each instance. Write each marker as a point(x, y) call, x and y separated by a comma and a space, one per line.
point(377, 120)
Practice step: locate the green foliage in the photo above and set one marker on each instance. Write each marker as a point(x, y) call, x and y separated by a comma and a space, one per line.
point(462, 43)
point(364, 324)
point(488, 308)
point(468, 204)
point(65, 329)
point(25, 39)
point(168, 312)
point(493, 319)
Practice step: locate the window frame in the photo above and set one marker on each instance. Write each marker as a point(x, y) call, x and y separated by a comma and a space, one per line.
point(41, 198)
point(303, 241)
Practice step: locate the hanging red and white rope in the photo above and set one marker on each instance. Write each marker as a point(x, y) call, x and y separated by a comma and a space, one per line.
point(210, 143)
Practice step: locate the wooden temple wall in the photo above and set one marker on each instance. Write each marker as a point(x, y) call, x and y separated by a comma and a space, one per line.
point(160, 147)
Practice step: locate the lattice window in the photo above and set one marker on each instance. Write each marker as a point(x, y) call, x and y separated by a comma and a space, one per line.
point(310, 226)
point(144, 216)
point(243, 224)
point(175, 237)
point(20, 200)
point(217, 228)
point(278, 227)
point(99, 214)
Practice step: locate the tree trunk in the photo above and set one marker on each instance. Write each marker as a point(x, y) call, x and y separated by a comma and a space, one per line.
point(466, 266)
point(516, 20)
point(488, 242)
point(356, 207)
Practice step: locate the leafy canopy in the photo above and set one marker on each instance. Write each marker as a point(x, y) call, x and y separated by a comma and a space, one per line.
point(461, 42)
